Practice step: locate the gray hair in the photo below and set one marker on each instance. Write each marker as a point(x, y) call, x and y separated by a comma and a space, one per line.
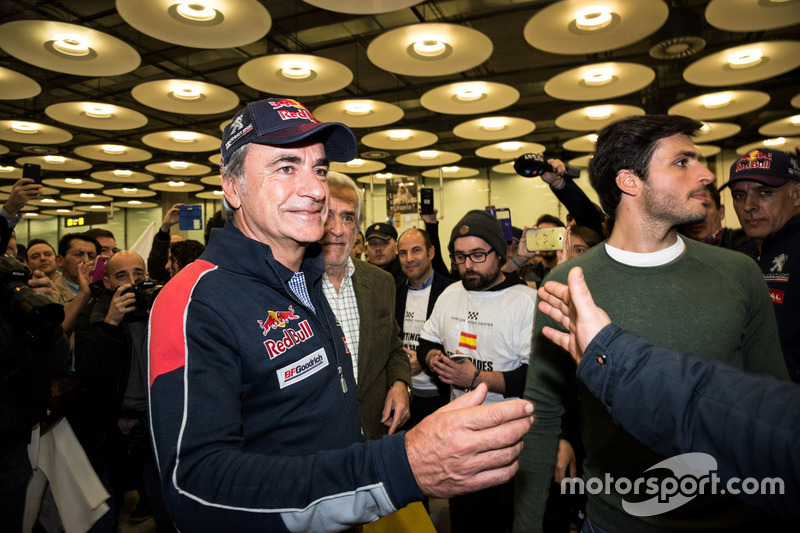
point(343, 181)
point(234, 169)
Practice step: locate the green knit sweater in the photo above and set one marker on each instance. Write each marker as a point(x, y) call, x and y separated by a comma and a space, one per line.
point(709, 302)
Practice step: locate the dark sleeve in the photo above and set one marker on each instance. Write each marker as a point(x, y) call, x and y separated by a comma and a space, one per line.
point(675, 403)
point(424, 347)
point(580, 206)
point(5, 235)
point(515, 381)
point(438, 259)
point(157, 260)
point(100, 353)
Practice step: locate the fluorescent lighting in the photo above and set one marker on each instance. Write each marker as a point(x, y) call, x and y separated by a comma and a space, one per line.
point(295, 72)
point(358, 108)
point(449, 170)
point(97, 110)
point(178, 165)
point(599, 112)
point(429, 47)
point(745, 58)
point(599, 76)
point(511, 146)
point(197, 10)
point(593, 18)
point(775, 142)
point(86, 195)
point(469, 94)
point(176, 184)
point(123, 173)
point(717, 100)
point(355, 163)
point(113, 149)
point(183, 136)
point(24, 127)
point(55, 159)
point(187, 92)
point(399, 135)
point(73, 181)
point(493, 124)
point(71, 44)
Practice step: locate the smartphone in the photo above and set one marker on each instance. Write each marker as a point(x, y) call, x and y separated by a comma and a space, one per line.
point(544, 239)
point(32, 171)
point(99, 271)
point(190, 217)
point(426, 197)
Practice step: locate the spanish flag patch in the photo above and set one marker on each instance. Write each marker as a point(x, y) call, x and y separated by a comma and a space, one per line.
point(468, 340)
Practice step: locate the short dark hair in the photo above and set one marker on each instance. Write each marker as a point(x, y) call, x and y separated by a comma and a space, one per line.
point(100, 232)
point(34, 242)
point(425, 237)
point(589, 236)
point(184, 252)
point(712, 190)
point(217, 220)
point(65, 242)
point(551, 219)
point(629, 144)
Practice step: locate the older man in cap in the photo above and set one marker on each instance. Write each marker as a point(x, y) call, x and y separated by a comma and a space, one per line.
point(765, 186)
point(480, 332)
point(382, 250)
point(252, 398)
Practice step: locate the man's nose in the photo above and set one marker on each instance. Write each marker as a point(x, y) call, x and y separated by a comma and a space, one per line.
point(310, 185)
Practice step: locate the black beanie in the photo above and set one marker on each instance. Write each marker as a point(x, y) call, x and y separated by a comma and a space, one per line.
point(480, 224)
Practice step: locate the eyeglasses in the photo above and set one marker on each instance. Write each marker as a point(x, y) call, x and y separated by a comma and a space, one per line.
point(475, 257)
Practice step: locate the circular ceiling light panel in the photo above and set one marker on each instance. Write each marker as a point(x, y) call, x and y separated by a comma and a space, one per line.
point(135, 204)
point(795, 101)
point(96, 115)
point(175, 185)
point(359, 113)
point(36, 216)
point(113, 152)
point(182, 141)
point(10, 172)
point(122, 176)
point(129, 192)
point(469, 97)
point(779, 143)
point(3, 149)
point(363, 7)
point(592, 26)
point(429, 49)
point(785, 127)
point(599, 81)
point(97, 208)
point(580, 162)
point(61, 212)
point(708, 150)
point(715, 106)
point(185, 96)
point(295, 75)
point(428, 158)
point(451, 172)
point(584, 143)
point(86, 198)
point(215, 159)
point(494, 128)
point(72, 182)
point(214, 180)
point(380, 178)
point(744, 64)
point(49, 202)
point(593, 118)
point(210, 195)
point(399, 139)
point(67, 48)
point(715, 131)
point(509, 150)
point(504, 168)
point(358, 166)
point(178, 168)
point(56, 163)
point(27, 132)
point(198, 23)
point(752, 15)
point(16, 86)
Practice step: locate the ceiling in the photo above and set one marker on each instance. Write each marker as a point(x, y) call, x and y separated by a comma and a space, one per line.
point(300, 28)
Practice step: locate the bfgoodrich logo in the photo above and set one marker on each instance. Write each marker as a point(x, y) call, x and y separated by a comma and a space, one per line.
point(693, 474)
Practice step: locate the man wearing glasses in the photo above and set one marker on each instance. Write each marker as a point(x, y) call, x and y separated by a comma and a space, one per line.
point(479, 332)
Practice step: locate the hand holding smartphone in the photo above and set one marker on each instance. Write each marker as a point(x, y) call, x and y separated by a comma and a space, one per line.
point(32, 171)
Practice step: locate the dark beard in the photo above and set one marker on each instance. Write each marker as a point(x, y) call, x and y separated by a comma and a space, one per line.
point(483, 282)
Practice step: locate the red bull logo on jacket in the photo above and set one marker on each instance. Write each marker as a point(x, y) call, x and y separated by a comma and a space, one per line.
point(291, 338)
point(298, 110)
point(277, 319)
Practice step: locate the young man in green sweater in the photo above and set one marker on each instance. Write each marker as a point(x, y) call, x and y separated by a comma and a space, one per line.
point(686, 295)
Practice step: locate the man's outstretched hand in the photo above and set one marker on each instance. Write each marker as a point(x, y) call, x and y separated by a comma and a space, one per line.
point(573, 307)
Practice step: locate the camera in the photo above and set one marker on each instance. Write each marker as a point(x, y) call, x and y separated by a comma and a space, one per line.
point(22, 306)
point(145, 289)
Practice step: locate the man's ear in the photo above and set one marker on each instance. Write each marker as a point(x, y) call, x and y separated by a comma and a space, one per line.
point(106, 283)
point(431, 252)
point(59, 260)
point(230, 187)
point(628, 182)
point(722, 212)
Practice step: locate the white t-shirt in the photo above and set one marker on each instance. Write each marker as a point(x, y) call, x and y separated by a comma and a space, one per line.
point(414, 319)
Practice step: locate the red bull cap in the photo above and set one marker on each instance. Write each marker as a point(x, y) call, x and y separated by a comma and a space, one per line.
point(772, 168)
point(277, 121)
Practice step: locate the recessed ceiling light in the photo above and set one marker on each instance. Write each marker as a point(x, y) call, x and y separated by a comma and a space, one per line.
point(6, 169)
point(176, 184)
point(428, 154)
point(97, 206)
point(717, 100)
point(87, 195)
point(24, 127)
point(358, 108)
point(745, 58)
point(599, 112)
point(71, 44)
point(197, 10)
point(593, 18)
point(383, 175)
point(63, 211)
point(218, 193)
point(123, 173)
point(775, 142)
point(184, 136)
point(134, 202)
point(469, 94)
point(355, 163)
point(430, 47)
point(510, 146)
point(55, 159)
point(796, 120)
point(130, 190)
point(97, 110)
point(113, 149)
point(399, 135)
point(493, 124)
point(449, 170)
point(295, 72)
point(178, 165)
point(48, 201)
point(187, 92)
point(592, 137)
point(74, 181)
point(599, 76)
